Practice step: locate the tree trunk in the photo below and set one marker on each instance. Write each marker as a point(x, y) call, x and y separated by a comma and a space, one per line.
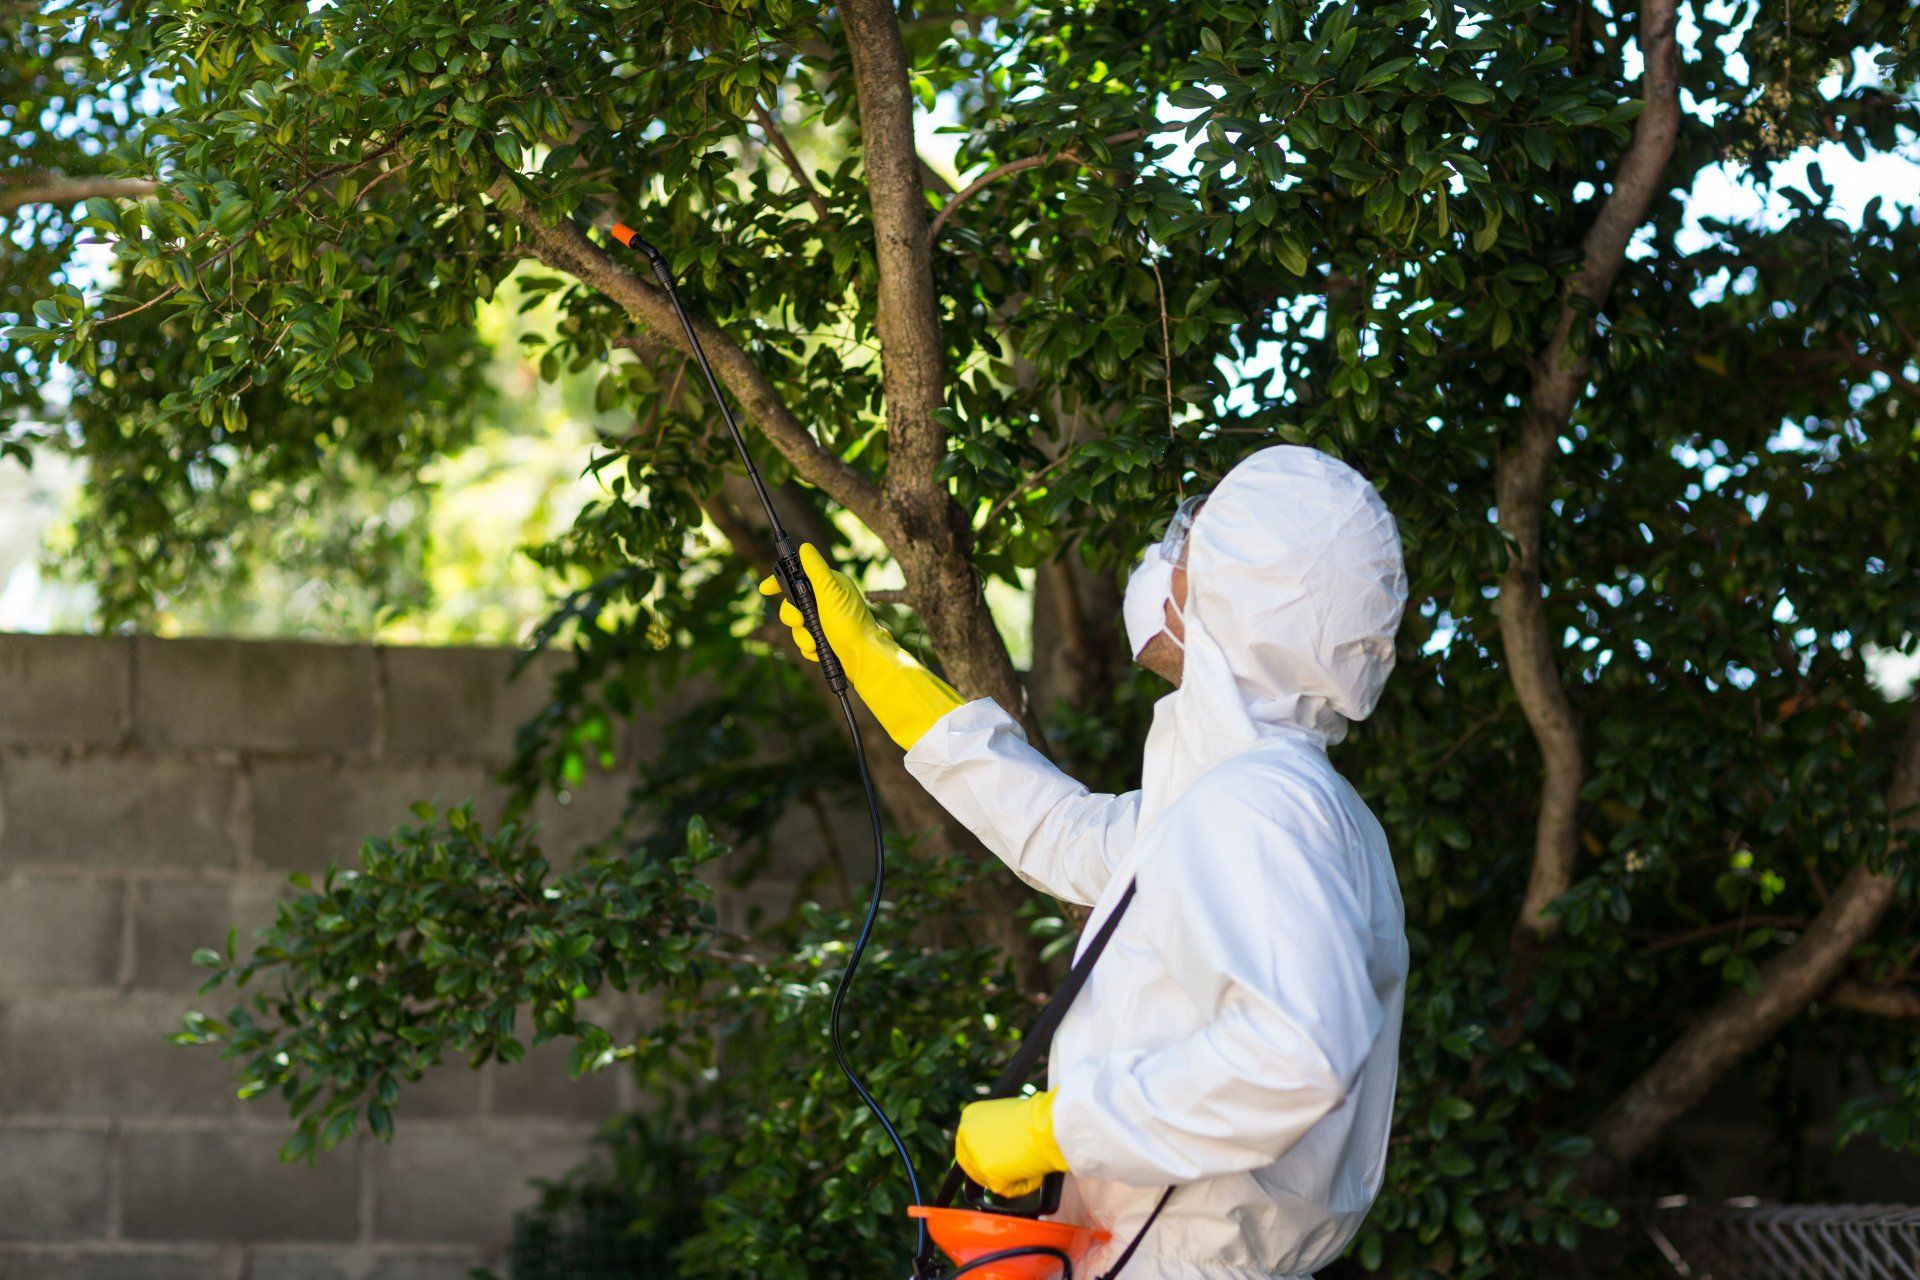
point(1524, 471)
point(931, 538)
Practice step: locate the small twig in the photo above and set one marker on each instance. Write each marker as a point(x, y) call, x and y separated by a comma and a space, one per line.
point(780, 143)
point(1022, 487)
point(991, 176)
point(1725, 926)
point(154, 301)
point(1454, 748)
point(1166, 342)
point(381, 177)
point(666, 402)
point(935, 180)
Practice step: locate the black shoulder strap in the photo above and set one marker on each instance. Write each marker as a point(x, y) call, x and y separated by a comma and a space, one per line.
point(1126, 1254)
point(1039, 1036)
point(1038, 1040)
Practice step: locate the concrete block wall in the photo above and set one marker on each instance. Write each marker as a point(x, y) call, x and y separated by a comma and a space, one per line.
point(154, 792)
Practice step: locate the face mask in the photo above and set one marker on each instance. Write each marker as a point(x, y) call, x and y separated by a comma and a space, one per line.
point(1143, 608)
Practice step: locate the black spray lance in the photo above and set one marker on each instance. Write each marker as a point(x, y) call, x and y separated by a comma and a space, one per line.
point(799, 593)
point(985, 1261)
point(793, 580)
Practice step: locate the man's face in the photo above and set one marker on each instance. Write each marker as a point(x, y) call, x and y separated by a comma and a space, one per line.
point(1162, 656)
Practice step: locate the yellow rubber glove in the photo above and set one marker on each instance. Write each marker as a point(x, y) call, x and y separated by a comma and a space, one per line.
point(904, 696)
point(1007, 1145)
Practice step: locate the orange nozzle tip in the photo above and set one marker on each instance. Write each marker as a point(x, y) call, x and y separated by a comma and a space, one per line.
point(623, 233)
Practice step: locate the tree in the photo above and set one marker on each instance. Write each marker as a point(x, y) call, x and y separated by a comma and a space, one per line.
point(1657, 494)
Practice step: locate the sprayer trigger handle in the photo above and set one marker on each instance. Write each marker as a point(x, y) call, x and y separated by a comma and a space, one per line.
point(799, 593)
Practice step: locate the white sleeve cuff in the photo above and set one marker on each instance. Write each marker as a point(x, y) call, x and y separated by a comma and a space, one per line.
point(956, 735)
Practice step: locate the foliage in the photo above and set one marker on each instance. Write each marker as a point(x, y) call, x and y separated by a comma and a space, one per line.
point(1209, 226)
point(458, 968)
point(180, 491)
point(467, 931)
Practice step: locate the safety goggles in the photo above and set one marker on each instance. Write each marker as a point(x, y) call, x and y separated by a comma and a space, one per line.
point(1173, 543)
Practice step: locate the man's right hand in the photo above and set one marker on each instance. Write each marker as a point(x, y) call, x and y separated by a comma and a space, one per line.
point(845, 616)
point(904, 696)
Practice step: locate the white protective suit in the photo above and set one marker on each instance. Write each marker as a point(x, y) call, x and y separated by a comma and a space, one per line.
point(1238, 1037)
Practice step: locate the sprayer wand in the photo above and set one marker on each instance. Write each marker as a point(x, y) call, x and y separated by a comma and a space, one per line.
point(793, 579)
point(799, 593)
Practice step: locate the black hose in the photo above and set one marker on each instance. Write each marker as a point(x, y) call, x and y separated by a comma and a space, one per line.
point(799, 592)
point(1018, 1251)
point(853, 963)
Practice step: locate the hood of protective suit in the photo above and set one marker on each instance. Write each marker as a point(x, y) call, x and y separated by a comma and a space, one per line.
point(1295, 586)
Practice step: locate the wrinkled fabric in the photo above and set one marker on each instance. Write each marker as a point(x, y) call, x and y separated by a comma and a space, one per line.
point(1238, 1037)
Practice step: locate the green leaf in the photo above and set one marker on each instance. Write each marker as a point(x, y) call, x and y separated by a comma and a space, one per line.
point(233, 215)
point(1292, 253)
point(1471, 92)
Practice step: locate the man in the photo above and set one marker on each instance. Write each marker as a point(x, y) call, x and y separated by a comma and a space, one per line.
point(1237, 1039)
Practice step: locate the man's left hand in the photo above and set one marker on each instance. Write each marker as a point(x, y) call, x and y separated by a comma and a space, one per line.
point(1007, 1145)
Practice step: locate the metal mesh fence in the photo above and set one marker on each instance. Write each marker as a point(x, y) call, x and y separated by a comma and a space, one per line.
point(1744, 1240)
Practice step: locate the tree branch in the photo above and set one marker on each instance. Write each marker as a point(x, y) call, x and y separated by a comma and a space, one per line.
point(1746, 1020)
point(565, 248)
point(52, 189)
point(1012, 167)
point(1523, 471)
point(779, 140)
point(1881, 1002)
point(1864, 361)
point(649, 345)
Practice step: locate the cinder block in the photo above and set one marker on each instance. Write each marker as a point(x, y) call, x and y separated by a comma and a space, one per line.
point(461, 703)
point(174, 918)
point(590, 813)
point(338, 1263)
point(450, 1091)
point(799, 849)
point(465, 1183)
point(108, 1059)
point(110, 1262)
point(323, 1263)
point(307, 815)
point(53, 1184)
point(123, 811)
point(58, 932)
point(423, 1266)
point(640, 737)
point(539, 1087)
point(229, 1184)
point(752, 907)
point(253, 695)
point(63, 690)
